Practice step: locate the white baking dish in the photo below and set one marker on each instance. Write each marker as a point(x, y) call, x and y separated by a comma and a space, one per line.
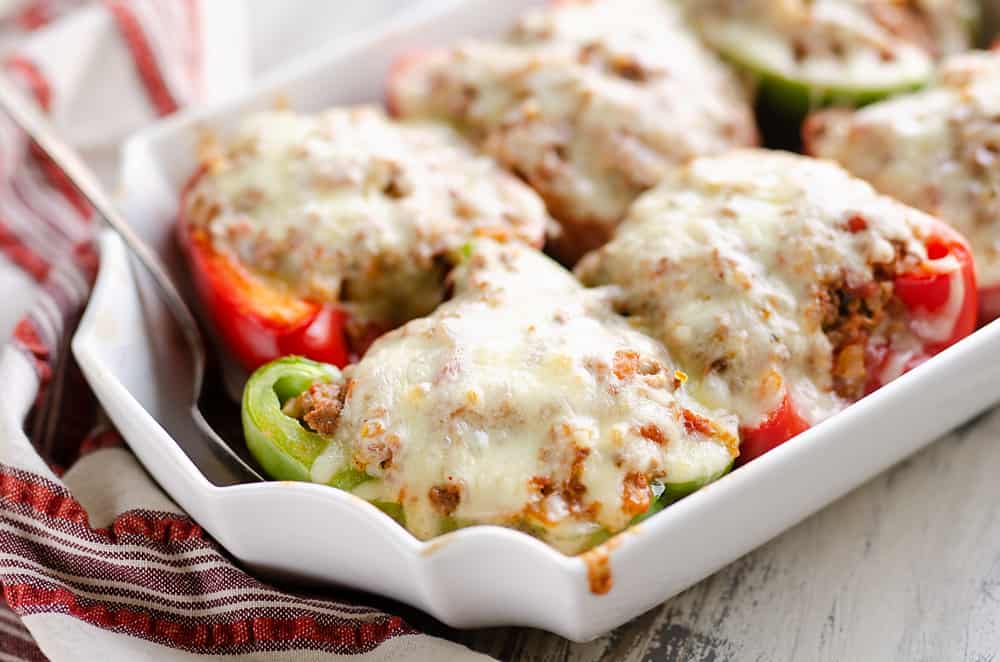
point(481, 576)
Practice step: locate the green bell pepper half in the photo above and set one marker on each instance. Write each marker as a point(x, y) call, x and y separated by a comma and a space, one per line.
point(794, 99)
point(286, 449)
point(283, 447)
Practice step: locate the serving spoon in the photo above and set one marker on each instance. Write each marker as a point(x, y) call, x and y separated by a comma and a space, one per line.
point(26, 115)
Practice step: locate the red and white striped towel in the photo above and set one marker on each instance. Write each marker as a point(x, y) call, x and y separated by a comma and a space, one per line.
point(95, 561)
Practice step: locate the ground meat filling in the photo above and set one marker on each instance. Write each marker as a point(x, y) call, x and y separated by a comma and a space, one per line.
point(561, 493)
point(850, 316)
point(318, 407)
point(445, 498)
point(635, 493)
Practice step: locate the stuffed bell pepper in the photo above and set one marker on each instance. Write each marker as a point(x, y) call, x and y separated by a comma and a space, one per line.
point(589, 102)
point(784, 287)
point(810, 53)
point(938, 150)
point(314, 234)
point(524, 401)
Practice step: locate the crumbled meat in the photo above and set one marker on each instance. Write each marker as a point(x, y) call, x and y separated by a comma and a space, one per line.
point(626, 364)
point(654, 433)
point(850, 316)
point(575, 488)
point(380, 451)
point(445, 498)
point(635, 493)
point(319, 407)
point(542, 485)
point(718, 365)
point(598, 564)
point(571, 491)
point(696, 423)
point(397, 182)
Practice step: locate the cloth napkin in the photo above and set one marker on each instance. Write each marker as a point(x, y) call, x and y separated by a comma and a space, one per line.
point(96, 562)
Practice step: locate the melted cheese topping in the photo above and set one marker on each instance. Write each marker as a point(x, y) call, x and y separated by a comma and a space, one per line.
point(755, 269)
point(350, 206)
point(591, 103)
point(843, 45)
point(938, 150)
point(524, 401)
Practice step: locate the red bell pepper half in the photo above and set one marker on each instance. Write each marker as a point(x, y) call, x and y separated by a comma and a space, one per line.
point(942, 303)
point(778, 427)
point(257, 321)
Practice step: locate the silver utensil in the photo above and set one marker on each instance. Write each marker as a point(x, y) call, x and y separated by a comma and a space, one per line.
point(26, 115)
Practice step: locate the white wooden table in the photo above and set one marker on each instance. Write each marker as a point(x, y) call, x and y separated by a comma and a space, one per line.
point(906, 567)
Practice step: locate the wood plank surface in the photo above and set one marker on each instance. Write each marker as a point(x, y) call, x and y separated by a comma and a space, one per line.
point(906, 567)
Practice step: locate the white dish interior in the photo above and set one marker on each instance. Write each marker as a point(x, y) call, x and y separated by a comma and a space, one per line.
point(481, 576)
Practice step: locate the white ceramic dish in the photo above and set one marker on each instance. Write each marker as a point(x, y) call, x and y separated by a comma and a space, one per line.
point(481, 576)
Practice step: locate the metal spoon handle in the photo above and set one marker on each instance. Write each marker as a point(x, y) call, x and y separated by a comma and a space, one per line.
point(26, 114)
